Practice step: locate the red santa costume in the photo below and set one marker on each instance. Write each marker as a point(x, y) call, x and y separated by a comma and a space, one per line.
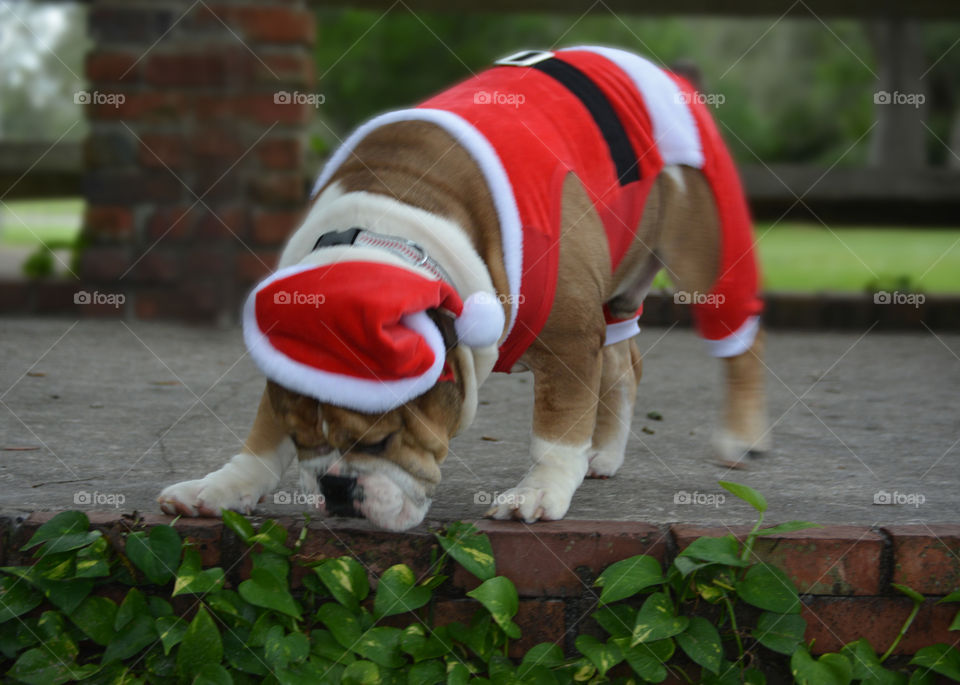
point(615, 120)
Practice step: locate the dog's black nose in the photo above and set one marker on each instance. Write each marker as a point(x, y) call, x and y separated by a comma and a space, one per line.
point(339, 495)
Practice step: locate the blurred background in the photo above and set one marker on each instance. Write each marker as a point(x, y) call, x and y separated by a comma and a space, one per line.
point(846, 129)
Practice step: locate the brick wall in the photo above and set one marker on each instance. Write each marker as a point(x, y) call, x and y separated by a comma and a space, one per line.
point(196, 177)
point(842, 572)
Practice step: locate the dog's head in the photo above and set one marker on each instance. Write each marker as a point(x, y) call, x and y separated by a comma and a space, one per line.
point(385, 466)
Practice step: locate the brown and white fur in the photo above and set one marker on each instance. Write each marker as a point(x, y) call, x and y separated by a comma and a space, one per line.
point(412, 179)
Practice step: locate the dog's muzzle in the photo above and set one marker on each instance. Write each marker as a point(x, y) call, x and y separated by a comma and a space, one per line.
point(340, 494)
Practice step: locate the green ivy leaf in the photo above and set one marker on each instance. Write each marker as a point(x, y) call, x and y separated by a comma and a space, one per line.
point(17, 636)
point(273, 537)
point(939, 658)
point(53, 632)
point(341, 622)
point(909, 592)
point(171, 630)
point(470, 548)
point(829, 669)
point(723, 550)
point(265, 589)
point(603, 656)
point(382, 646)
point(17, 597)
point(499, 596)
point(156, 554)
point(133, 606)
point(201, 645)
point(616, 619)
point(346, 580)
point(782, 633)
point(701, 642)
point(140, 633)
point(212, 674)
point(66, 531)
point(457, 673)
point(656, 620)
point(420, 646)
point(361, 673)
point(95, 616)
point(427, 673)
point(238, 524)
point(867, 667)
point(648, 659)
point(952, 597)
point(545, 654)
point(767, 587)
point(93, 560)
point(192, 579)
point(243, 657)
point(281, 650)
point(746, 493)
point(787, 527)
point(628, 577)
point(397, 592)
point(41, 666)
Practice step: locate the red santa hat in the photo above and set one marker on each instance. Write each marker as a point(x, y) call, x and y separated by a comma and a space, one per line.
point(356, 333)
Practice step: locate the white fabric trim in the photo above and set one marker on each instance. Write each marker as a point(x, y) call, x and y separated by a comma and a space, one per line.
point(737, 342)
point(360, 394)
point(622, 330)
point(674, 129)
point(483, 153)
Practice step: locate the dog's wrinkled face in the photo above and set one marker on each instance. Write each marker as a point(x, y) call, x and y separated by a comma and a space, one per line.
point(383, 467)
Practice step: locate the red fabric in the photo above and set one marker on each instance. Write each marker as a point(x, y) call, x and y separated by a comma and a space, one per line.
point(737, 284)
point(339, 318)
point(541, 138)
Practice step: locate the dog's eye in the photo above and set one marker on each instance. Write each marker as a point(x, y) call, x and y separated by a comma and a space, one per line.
point(373, 448)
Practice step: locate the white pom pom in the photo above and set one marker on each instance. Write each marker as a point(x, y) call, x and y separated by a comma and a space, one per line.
point(481, 322)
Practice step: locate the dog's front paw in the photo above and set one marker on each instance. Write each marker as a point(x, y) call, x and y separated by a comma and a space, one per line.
point(605, 463)
point(729, 447)
point(530, 502)
point(238, 485)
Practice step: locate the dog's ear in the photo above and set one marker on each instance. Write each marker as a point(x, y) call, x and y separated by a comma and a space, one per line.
point(299, 414)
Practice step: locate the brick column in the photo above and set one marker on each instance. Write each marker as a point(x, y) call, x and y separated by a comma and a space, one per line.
point(194, 169)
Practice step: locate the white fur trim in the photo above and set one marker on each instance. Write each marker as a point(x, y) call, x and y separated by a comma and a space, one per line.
point(481, 321)
point(360, 394)
point(674, 128)
point(483, 153)
point(737, 342)
point(622, 330)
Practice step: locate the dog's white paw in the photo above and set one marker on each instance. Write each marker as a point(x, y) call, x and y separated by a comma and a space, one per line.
point(730, 447)
point(531, 502)
point(238, 485)
point(605, 463)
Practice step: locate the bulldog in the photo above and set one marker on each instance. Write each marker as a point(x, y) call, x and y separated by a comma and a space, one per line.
point(514, 222)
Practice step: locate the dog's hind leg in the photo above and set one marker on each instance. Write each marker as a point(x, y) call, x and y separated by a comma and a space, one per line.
point(745, 418)
point(241, 482)
point(622, 368)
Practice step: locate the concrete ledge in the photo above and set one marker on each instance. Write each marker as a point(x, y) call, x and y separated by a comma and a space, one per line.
point(843, 572)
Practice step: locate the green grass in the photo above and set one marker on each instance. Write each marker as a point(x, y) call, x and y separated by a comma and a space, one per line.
point(794, 256)
point(30, 222)
point(810, 258)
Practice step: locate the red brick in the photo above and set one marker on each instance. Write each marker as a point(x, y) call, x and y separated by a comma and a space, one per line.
point(280, 153)
point(290, 69)
point(263, 24)
point(218, 107)
point(162, 304)
point(170, 223)
point(157, 266)
point(102, 263)
point(269, 108)
point(15, 296)
point(834, 621)
point(205, 535)
point(214, 141)
point(117, 67)
point(837, 560)
point(273, 228)
point(181, 69)
point(562, 558)
point(161, 150)
point(210, 261)
point(110, 187)
point(377, 550)
point(191, 301)
point(108, 222)
point(539, 620)
point(926, 557)
point(225, 223)
point(148, 106)
point(283, 189)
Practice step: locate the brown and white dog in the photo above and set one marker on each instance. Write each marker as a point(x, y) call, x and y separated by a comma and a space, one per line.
point(424, 179)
